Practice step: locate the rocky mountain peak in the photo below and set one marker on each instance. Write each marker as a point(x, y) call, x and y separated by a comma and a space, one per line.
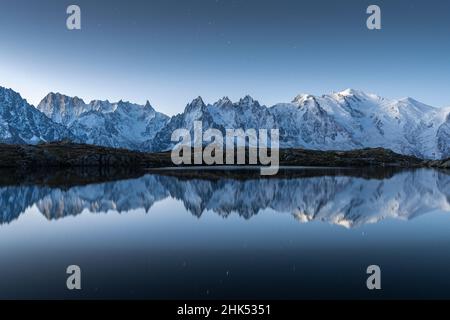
point(351, 92)
point(301, 98)
point(247, 100)
point(148, 106)
point(225, 102)
point(196, 104)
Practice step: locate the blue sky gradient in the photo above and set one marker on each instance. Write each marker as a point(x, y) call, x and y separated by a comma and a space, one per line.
point(171, 51)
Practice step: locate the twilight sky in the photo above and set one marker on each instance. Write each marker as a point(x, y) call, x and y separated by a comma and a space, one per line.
point(170, 51)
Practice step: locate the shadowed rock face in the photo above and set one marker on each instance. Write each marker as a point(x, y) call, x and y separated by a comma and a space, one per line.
point(21, 123)
point(347, 200)
point(443, 136)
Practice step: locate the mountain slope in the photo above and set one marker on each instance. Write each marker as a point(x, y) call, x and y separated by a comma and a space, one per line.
point(443, 138)
point(61, 108)
point(21, 123)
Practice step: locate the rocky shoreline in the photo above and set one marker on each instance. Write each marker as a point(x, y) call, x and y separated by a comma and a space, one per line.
point(67, 155)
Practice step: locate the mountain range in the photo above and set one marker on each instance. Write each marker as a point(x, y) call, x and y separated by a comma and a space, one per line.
point(345, 120)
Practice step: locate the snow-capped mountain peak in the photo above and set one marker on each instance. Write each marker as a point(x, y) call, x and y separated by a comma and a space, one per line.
point(350, 119)
point(301, 98)
point(103, 106)
point(148, 106)
point(197, 105)
point(351, 92)
point(357, 96)
point(61, 108)
point(247, 101)
point(224, 102)
point(409, 102)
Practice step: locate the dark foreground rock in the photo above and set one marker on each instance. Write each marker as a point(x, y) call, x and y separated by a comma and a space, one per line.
point(67, 155)
point(443, 164)
point(355, 158)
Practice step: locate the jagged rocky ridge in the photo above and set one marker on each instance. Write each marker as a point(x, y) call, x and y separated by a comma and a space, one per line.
point(349, 201)
point(345, 120)
point(118, 125)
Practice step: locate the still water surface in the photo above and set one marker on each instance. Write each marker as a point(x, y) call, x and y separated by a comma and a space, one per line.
point(300, 235)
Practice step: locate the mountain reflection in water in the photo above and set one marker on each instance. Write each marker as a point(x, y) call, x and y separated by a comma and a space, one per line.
point(347, 198)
